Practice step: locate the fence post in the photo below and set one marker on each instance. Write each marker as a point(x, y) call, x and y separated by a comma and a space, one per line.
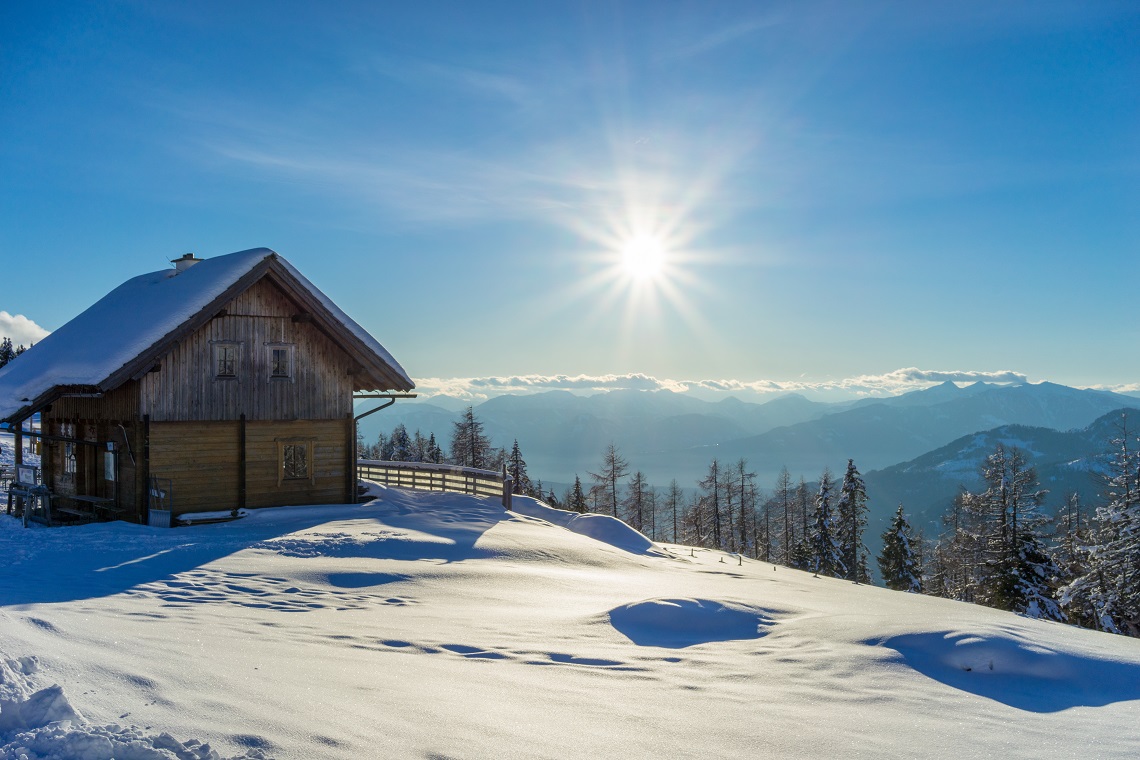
point(508, 492)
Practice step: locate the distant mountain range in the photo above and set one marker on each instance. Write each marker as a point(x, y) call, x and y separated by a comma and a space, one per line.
point(670, 435)
point(881, 432)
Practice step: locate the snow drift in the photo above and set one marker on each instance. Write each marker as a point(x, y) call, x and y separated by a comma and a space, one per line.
point(440, 625)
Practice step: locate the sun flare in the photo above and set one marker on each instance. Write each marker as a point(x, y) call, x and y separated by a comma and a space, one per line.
point(643, 257)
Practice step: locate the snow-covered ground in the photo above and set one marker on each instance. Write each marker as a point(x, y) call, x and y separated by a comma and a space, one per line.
point(438, 625)
point(8, 451)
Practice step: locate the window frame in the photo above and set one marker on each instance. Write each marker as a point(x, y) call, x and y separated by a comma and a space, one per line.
point(216, 349)
point(69, 458)
point(290, 369)
point(309, 446)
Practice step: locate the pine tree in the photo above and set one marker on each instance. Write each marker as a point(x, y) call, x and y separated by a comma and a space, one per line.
point(400, 446)
point(651, 512)
point(1018, 573)
point(712, 501)
point(1108, 592)
point(728, 512)
point(419, 447)
point(380, 448)
point(470, 447)
point(433, 453)
point(783, 499)
point(826, 557)
point(7, 353)
point(516, 468)
point(1073, 538)
point(955, 562)
point(803, 501)
point(800, 557)
point(1072, 535)
point(614, 468)
point(636, 501)
point(673, 498)
point(695, 524)
point(745, 483)
point(899, 562)
point(852, 519)
point(576, 502)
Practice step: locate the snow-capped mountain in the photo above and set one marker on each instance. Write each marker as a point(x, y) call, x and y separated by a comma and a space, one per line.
point(1066, 462)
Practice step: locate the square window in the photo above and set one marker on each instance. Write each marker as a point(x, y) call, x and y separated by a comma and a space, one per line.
point(295, 461)
point(225, 360)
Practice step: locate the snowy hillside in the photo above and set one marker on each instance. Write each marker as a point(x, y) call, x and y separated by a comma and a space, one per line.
point(1065, 462)
point(438, 625)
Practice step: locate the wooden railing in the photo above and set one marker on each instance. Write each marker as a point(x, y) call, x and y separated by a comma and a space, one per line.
point(423, 476)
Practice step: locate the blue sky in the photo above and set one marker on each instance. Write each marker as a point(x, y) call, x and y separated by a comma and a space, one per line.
point(843, 192)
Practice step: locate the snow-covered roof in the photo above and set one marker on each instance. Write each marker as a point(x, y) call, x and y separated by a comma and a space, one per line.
point(136, 323)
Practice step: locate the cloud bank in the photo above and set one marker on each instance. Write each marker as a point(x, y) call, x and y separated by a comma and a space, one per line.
point(20, 329)
point(891, 383)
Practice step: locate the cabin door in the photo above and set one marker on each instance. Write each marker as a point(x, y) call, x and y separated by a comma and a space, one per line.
point(88, 463)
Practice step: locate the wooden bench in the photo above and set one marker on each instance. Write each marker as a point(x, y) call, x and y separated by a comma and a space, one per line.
point(80, 514)
point(95, 505)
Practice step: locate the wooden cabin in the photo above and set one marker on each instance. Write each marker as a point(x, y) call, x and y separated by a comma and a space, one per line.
point(221, 383)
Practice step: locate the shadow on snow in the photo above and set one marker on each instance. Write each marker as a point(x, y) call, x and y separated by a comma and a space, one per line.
point(98, 560)
point(1017, 673)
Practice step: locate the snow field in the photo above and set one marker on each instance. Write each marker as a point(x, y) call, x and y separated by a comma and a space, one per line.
point(439, 625)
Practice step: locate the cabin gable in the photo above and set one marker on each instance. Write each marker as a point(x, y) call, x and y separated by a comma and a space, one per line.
point(227, 367)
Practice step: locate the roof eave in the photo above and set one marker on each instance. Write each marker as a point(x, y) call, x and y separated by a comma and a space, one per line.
point(48, 397)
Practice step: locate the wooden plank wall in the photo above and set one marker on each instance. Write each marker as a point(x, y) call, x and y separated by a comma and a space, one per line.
point(119, 405)
point(328, 463)
point(202, 459)
point(185, 388)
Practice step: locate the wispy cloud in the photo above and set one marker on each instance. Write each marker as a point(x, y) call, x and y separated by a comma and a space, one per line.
point(721, 37)
point(1130, 388)
point(910, 377)
point(468, 79)
point(545, 142)
point(566, 179)
point(20, 329)
point(887, 384)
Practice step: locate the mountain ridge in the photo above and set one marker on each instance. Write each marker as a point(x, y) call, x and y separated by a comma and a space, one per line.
point(669, 436)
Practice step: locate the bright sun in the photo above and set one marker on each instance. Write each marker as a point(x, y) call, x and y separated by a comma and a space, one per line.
point(643, 257)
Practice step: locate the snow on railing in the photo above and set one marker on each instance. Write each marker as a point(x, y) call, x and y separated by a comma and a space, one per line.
point(424, 476)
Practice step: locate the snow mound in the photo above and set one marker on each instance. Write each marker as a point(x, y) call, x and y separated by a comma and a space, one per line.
point(23, 707)
point(679, 623)
point(1016, 672)
point(14, 683)
point(608, 530)
point(42, 725)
